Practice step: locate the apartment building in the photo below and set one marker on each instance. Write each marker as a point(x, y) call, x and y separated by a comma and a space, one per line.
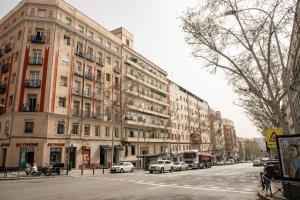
point(217, 147)
point(229, 138)
point(60, 87)
point(145, 100)
point(189, 120)
point(293, 66)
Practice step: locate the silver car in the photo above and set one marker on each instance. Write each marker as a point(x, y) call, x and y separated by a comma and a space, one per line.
point(122, 167)
point(178, 166)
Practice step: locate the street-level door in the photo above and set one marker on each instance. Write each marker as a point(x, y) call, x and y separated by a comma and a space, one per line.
point(26, 156)
point(4, 154)
point(116, 155)
point(103, 156)
point(72, 158)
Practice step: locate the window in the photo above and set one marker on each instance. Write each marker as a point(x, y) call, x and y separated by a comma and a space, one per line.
point(63, 81)
point(106, 131)
point(11, 100)
point(116, 132)
point(67, 40)
point(13, 78)
point(91, 34)
point(108, 60)
point(97, 131)
point(127, 42)
point(80, 28)
point(68, 21)
point(62, 102)
point(65, 60)
point(16, 56)
point(41, 13)
point(75, 128)
point(108, 44)
point(107, 77)
point(60, 127)
point(126, 151)
point(87, 129)
point(100, 39)
point(132, 150)
point(29, 126)
point(6, 128)
point(19, 35)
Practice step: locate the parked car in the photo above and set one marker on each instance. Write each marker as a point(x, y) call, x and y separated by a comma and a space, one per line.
point(257, 163)
point(161, 166)
point(178, 166)
point(220, 163)
point(122, 167)
point(227, 162)
point(272, 169)
point(231, 161)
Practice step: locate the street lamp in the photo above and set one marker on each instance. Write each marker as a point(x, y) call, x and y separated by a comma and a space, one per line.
point(284, 69)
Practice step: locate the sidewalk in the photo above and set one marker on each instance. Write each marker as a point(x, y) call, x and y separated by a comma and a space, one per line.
point(277, 191)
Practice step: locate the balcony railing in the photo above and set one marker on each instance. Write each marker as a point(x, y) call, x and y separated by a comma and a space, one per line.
point(90, 57)
point(38, 39)
point(87, 114)
point(79, 53)
point(78, 71)
point(117, 69)
point(2, 89)
point(76, 112)
point(89, 75)
point(99, 61)
point(5, 68)
point(33, 83)
point(76, 91)
point(27, 107)
point(8, 47)
point(87, 93)
point(35, 61)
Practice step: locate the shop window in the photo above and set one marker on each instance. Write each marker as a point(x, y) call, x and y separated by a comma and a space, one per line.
point(61, 127)
point(29, 126)
point(55, 155)
point(87, 129)
point(132, 150)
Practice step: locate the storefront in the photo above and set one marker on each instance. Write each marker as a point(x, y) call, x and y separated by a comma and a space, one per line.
point(86, 156)
point(3, 152)
point(26, 153)
point(55, 152)
point(103, 154)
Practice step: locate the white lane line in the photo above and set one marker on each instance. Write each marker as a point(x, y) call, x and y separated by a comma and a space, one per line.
point(215, 187)
point(219, 179)
point(121, 179)
point(160, 186)
point(131, 180)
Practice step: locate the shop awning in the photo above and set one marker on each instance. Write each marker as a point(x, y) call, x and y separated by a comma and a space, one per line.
point(106, 147)
point(118, 147)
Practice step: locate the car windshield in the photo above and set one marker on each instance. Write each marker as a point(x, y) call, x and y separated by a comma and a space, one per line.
point(120, 163)
point(189, 155)
point(176, 163)
point(159, 162)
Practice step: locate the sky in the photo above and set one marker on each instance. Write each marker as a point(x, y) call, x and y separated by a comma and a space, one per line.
point(158, 36)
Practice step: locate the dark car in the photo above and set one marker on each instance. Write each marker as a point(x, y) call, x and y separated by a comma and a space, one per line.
point(272, 169)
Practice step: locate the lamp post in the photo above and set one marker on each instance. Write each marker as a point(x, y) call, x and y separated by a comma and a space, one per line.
point(284, 69)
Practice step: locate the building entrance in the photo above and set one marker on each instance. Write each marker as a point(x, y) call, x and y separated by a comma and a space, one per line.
point(4, 154)
point(26, 156)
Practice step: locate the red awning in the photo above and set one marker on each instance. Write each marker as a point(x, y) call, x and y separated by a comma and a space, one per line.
point(205, 154)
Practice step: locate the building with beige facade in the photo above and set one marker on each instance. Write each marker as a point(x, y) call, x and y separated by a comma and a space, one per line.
point(229, 138)
point(60, 87)
point(189, 121)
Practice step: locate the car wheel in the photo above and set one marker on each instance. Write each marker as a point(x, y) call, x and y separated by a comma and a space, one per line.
point(180, 169)
point(162, 170)
point(151, 171)
point(171, 169)
point(131, 170)
point(122, 170)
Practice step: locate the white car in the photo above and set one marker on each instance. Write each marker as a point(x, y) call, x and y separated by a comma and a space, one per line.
point(122, 167)
point(178, 166)
point(161, 166)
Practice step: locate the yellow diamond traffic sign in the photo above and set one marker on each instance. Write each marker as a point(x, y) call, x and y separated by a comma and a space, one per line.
point(271, 137)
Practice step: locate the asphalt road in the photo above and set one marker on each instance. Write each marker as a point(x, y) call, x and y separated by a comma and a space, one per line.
point(239, 181)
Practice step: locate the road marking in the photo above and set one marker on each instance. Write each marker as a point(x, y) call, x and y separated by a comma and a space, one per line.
point(219, 179)
point(160, 186)
point(131, 180)
point(215, 187)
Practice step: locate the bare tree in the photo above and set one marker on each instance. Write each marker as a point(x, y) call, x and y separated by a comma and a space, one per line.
point(248, 41)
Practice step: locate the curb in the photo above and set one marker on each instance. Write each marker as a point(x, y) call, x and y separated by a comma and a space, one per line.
point(262, 196)
point(30, 178)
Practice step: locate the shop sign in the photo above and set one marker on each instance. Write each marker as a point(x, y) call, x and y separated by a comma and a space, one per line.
point(3, 145)
point(56, 144)
point(27, 144)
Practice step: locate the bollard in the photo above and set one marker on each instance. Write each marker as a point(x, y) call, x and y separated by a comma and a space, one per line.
point(93, 171)
point(81, 171)
point(103, 170)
